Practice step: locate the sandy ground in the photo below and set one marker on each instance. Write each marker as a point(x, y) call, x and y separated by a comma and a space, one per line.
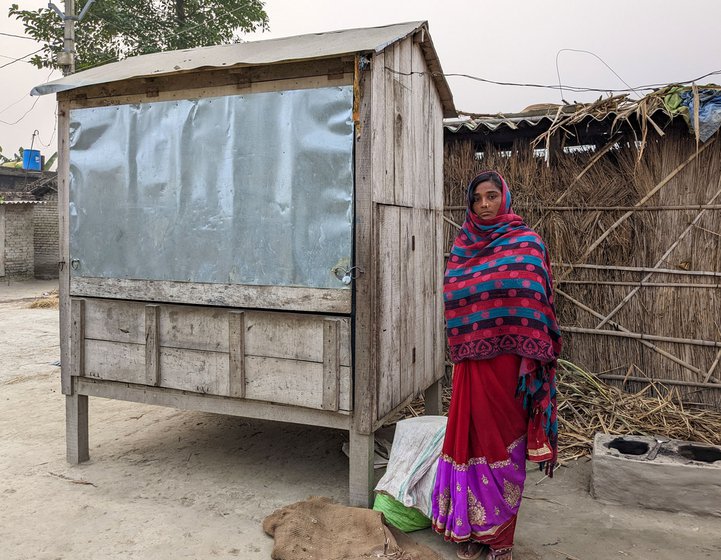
point(163, 483)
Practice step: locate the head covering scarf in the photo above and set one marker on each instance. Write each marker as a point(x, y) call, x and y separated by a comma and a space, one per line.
point(498, 294)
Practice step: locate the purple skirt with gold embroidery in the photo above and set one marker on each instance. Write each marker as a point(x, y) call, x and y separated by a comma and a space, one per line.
point(481, 472)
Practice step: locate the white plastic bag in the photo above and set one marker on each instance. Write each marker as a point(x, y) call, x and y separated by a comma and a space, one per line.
point(413, 462)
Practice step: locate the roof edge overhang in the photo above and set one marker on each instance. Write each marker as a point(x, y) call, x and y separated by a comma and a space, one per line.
point(259, 53)
point(434, 65)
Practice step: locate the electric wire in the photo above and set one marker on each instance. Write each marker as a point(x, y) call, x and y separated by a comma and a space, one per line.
point(558, 72)
point(16, 36)
point(12, 58)
point(52, 135)
point(26, 113)
point(23, 98)
point(21, 58)
point(577, 89)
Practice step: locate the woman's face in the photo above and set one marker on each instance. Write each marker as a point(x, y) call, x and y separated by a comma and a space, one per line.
point(486, 200)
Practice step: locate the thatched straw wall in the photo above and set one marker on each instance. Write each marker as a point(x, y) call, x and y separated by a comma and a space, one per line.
point(680, 301)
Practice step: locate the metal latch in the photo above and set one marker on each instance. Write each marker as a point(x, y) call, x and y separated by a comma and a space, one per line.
point(347, 275)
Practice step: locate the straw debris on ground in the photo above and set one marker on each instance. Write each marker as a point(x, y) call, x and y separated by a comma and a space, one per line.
point(49, 300)
point(587, 405)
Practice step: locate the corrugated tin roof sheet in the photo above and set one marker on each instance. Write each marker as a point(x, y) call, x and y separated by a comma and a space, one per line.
point(269, 51)
point(22, 202)
point(510, 120)
point(489, 123)
point(515, 121)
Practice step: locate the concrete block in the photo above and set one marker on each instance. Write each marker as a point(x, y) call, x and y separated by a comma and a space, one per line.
point(676, 475)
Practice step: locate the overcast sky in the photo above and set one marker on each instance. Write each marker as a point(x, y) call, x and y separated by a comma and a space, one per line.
point(643, 41)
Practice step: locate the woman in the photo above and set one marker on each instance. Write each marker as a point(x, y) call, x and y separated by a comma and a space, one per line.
point(504, 341)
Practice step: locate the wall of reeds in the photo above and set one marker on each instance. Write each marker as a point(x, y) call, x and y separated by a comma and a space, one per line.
point(635, 239)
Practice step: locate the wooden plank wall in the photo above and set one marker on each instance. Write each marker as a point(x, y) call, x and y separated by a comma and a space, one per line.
point(215, 83)
point(285, 358)
point(404, 221)
point(407, 179)
point(283, 298)
point(155, 355)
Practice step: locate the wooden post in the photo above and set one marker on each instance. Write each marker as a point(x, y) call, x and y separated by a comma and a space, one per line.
point(434, 399)
point(152, 345)
point(236, 347)
point(331, 363)
point(64, 245)
point(370, 85)
point(76, 428)
point(77, 337)
point(554, 148)
point(361, 472)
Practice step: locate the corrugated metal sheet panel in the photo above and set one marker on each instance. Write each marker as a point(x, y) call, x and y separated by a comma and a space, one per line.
point(514, 121)
point(271, 51)
point(490, 124)
point(22, 202)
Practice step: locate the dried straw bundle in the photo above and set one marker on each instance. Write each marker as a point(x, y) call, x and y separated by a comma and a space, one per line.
point(587, 405)
point(49, 301)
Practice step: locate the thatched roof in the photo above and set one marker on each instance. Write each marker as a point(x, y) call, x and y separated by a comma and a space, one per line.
point(582, 124)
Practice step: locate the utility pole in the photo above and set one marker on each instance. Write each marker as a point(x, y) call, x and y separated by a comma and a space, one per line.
point(66, 58)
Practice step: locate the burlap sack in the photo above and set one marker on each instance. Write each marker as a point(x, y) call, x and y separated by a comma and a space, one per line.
point(320, 529)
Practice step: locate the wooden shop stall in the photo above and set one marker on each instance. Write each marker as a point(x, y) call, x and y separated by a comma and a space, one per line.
point(256, 230)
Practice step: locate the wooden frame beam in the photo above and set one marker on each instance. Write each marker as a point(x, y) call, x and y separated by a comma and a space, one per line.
point(186, 400)
point(319, 300)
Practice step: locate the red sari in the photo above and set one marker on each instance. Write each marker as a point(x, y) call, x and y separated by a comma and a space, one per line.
point(483, 467)
point(504, 338)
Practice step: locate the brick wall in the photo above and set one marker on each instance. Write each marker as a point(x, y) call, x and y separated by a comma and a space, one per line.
point(45, 226)
point(19, 250)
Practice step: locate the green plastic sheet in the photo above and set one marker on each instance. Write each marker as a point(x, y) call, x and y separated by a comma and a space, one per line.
point(401, 517)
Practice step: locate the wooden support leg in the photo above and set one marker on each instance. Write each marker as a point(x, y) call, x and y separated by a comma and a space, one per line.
point(361, 468)
point(76, 428)
point(434, 399)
